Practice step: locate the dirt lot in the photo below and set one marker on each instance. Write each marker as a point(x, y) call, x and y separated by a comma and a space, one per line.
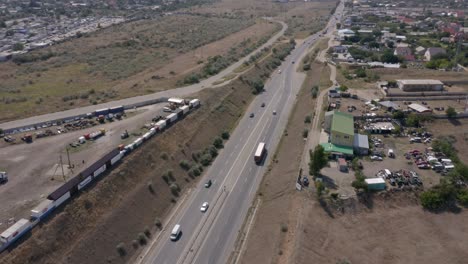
point(394, 230)
point(125, 60)
point(38, 164)
point(278, 187)
point(394, 74)
point(456, 128)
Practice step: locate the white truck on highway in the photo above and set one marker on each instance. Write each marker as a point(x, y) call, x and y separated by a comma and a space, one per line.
point(260, 153)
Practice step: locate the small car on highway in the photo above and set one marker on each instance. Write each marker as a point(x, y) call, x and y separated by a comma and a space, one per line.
point(263, 105)
point(252, 115)
point(274, 112)
point(204, 207)
point(208, 184)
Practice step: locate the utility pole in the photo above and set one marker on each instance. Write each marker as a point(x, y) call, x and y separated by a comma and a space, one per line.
point(68, 156)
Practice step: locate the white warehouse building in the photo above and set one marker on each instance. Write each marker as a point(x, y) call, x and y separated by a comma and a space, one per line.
point(420, 85)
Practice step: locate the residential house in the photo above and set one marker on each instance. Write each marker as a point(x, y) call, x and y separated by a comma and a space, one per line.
point(404, 52)
point(431, 52)
point(340, 49)
point(420, 50)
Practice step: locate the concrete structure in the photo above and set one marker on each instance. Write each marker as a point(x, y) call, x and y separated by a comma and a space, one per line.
point(420, 85)
point(361, 144)
point(376, 184)
point(420, 109)
point(342, 129)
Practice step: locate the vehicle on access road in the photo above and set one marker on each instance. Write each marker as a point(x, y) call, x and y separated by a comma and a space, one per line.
point(204, 207)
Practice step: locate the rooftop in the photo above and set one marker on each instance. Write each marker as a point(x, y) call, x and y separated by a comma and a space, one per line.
point(375, 181)
point(422, 81)
point(419, 108)
point(330, 147)
point(343, 123)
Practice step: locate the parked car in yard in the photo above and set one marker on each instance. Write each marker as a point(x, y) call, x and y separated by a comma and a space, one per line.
point(377, 158)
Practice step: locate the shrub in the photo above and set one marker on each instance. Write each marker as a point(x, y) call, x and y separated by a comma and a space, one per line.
point(142, 239)
point(225, 135)
point(314, 91)
point(174, 189)
point(184, 164)
point(150, 187)
point(205, 160)
point(307, 119)
point(431, 200)
point(164, 156)
point(306, 67)
point(195, 171)
point(147, 231)
point(121, 249)
point(165, 178)
point(158, 223)
point(284, 228)
point(218, 142)
point(213, 151)
point(170, 175)
point(305, 133)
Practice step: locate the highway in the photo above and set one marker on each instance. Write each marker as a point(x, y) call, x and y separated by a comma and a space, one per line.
point(178, 92)
point(208, 238)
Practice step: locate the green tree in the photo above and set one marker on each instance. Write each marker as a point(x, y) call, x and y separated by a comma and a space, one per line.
point(431, 200)
point(398, 114)
point(18, 46)
point(318, 160)
point(388, 57)
point(412, 120)
point(451, 113)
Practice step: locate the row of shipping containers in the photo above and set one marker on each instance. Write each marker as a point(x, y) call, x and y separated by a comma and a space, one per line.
point(85, 177)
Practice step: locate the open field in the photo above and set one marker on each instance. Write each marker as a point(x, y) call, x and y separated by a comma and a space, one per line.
point(456, 128)
point(277, 189)
point(126, 60)
point(394, 230)
point(384, 74)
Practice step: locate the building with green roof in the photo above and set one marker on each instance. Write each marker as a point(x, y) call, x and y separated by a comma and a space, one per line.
point(342, 129)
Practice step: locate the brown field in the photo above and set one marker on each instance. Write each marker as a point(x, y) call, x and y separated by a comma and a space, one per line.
point(456, 128)
point(395, 229)
point(126, 60)
point(394, 74)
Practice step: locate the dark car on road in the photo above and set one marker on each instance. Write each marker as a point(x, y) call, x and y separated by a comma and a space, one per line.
point(208, 184)
point(251, 115)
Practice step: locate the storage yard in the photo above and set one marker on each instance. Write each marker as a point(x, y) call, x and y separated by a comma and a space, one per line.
point(63, 179)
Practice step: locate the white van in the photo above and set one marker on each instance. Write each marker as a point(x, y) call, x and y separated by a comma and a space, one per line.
point(175, 232)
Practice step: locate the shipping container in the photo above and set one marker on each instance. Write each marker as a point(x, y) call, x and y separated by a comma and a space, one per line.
point(98, 164)
point(171, 118)
point(100, 170)
point(179, 113)
point(195, 103)
point(160, 125)
point(43, 209)
point(152, 131)
point(138, 142)
point(15, 231)
point(62, 199)
point(103, 111)
point(68, 187)
point(146, 136)
point(116, 109)
point(85, 182)
point(116, 158)
point(185, 109)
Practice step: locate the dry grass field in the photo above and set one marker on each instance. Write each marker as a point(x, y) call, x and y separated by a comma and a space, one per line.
point(126, 60)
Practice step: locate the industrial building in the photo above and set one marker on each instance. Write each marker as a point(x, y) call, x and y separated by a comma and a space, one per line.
point(420, 85)
point(342, 139)
point(420, 109)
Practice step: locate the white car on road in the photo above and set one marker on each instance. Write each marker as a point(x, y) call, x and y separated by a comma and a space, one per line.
point(204, 207)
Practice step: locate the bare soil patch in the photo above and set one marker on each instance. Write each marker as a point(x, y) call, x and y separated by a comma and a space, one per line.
point(395, 230)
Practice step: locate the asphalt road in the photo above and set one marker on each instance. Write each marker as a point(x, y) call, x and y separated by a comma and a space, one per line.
point(178, 92)
point(208, 238)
